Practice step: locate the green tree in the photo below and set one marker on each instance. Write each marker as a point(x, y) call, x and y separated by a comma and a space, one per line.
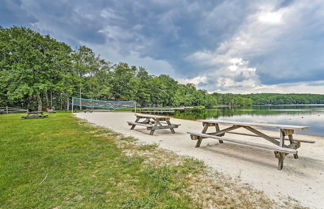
point(29, 64)
point(122, 76)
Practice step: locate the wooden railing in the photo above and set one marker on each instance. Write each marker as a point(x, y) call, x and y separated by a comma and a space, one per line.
point(7, 110)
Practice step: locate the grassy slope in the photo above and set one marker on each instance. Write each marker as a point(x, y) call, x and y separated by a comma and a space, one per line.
point(58, 163)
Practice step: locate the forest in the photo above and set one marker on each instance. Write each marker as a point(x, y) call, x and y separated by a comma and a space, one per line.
point(37, 71)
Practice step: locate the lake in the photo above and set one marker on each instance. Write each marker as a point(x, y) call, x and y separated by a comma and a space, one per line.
point(305, 115)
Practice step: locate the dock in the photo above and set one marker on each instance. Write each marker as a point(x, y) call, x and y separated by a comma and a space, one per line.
point(164, 110)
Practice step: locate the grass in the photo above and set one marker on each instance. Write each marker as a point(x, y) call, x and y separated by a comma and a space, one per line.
point(148, 146)
point(61, 162)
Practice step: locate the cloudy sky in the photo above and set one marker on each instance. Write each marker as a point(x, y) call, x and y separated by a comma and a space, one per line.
point(219, 45)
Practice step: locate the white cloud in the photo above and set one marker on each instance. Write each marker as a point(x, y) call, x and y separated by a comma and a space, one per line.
point(314, 87)
point(274, 18)
point(110, 14)
point(133, 58)
point(233, 73)
point(263, 33)
point(196, 80)
point(153, 66)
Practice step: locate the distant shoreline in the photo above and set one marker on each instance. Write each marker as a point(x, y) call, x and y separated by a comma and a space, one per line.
point(290, 105)
point(270, 105)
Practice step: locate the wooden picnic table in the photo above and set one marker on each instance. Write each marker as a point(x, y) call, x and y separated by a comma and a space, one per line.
point(35, 114)
point(153, 122)
point(277, 144)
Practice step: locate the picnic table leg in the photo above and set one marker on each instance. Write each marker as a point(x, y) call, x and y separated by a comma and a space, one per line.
point(152, 130)
point(217, 130)
point(171, 128)
point(156, 123)
point(281, 157)
point(294, 144)
point(282, 138)
point(133, 126)
point(198, 142)
point(203, 131)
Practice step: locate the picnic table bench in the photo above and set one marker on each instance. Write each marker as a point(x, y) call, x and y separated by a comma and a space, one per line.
point(34, 114)
point(277, 144)
point(153, 122)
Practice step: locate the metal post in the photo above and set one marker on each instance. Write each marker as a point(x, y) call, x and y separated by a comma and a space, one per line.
point(80, 103)
point(135, 106)
point(80, 98)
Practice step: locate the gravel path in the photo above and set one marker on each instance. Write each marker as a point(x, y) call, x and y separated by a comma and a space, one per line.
point(301, 179)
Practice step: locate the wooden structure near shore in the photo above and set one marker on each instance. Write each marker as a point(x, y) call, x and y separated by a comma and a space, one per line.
point(164, 110)
point(7, 110)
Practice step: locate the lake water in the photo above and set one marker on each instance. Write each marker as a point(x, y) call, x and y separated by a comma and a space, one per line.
point(308, 115)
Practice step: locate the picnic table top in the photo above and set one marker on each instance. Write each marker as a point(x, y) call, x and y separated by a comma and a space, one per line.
point(265, 125)
point(35, 112)
point(150, 116)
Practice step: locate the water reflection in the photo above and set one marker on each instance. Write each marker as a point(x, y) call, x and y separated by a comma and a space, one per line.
point(312, 116)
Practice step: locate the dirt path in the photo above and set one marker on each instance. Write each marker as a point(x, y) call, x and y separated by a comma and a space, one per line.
point(301, 179)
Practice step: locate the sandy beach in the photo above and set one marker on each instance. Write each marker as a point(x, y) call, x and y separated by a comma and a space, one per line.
point(301, 179)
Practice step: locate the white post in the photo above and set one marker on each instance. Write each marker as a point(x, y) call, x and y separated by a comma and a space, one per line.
point(7, 110)
point(135, 106)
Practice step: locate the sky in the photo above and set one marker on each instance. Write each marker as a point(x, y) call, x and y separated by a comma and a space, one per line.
point(227, 46)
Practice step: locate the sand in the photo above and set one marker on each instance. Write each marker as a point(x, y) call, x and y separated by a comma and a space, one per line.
point(301, 179)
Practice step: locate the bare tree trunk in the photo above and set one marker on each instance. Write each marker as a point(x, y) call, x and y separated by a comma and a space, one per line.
point(68, 103)
point(28, 104)
point(51, 99)
point(47, 99)
point(40, 103)
point(61, 101)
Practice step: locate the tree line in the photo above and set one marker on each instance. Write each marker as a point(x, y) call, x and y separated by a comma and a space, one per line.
point(37, 71)
point(268, 99)
point(278, 99)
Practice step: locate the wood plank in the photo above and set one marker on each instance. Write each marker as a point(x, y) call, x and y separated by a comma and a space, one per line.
point(246, 143)
point(265, 125)
point(275, 137)
point(139, 124)
point(151, 116)
point(155, 110)
point(266, 137)
point(223, 131)
point(162, 127)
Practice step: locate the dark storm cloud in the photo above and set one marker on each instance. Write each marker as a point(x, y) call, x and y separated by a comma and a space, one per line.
point(232, 43)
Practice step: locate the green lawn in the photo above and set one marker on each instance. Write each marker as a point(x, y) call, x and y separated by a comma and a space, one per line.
point(62, 162)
